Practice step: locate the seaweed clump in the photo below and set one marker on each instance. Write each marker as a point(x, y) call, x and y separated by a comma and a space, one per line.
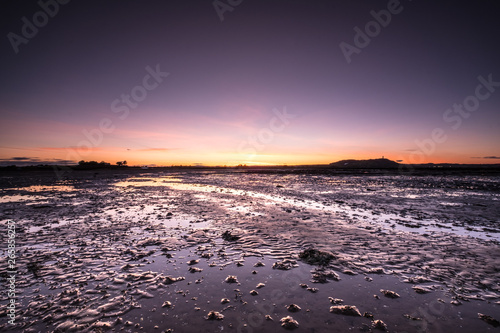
point(316, 257)
point(228, 236)
point(34, 268)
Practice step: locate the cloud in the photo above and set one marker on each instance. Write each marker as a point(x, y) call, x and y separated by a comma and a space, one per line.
point(68, 148)
point(25, 161)
point(489, 157)
point(156, 149)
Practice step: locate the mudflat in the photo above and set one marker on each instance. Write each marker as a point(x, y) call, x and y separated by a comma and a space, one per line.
point(243, 251)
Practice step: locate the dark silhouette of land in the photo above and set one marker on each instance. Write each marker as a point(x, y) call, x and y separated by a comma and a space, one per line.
point(91, 170)
point(379, 163)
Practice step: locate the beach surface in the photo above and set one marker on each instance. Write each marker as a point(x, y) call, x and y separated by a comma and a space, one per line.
point(239, 251)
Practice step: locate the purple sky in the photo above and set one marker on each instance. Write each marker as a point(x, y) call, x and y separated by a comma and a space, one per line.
point(226, 78)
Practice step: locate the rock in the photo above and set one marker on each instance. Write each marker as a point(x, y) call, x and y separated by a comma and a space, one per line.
point(490, 320)
point(421, 290)
point(214, 315)
point(193, 262)
point(268, 317)
point(167, 304)
point(285, 264)
point(379, 325)
point(254, 293)
point(322, 276)
point(259, 264)
point(376, 270)
point(416, 279)
point(411, 317)
point(260, 285)
point(224, 300)
point(335, 300)
point(293, 308)
point(195, 269)
point(169, 279)
point(389, 293)
point(289, 323)
point(348, 310)
point(231, 279)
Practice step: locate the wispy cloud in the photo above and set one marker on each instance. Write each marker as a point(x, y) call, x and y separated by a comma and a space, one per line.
point(24, 161)
point(489, 157)
point(68, 148)
point(157, 149)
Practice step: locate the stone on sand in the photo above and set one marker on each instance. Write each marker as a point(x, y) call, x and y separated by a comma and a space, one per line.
point(389, 293)
point(214, 315)
point(231, 279)
point(348, 310)
point(289, 323)
point(489, 319)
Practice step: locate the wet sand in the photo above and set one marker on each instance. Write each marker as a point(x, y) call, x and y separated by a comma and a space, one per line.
point(152, 251)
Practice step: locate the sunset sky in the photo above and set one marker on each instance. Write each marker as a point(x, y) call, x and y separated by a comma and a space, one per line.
point(260, 82)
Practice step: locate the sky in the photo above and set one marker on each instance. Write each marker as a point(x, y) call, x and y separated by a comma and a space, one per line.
point(230, 82)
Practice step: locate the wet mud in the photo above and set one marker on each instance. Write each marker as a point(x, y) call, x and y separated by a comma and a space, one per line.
point(247, 252)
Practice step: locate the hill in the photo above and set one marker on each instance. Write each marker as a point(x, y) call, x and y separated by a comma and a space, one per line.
point(379, 163)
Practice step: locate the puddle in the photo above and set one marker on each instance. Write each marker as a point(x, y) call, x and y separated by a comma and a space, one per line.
point(392, 221)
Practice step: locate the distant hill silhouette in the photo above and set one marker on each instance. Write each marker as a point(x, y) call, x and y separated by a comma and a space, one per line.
point(379, 163)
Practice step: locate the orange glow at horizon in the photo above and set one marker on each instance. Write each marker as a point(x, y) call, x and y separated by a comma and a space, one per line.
point(163, 157)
